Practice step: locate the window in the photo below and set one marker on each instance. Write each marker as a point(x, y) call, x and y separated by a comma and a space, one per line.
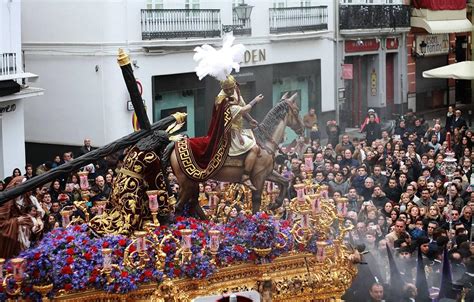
point(191, 4)
point(305, 3)
point(279, 4)
point(154, 4)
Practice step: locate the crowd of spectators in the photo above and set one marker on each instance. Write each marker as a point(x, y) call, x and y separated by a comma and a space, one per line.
point(25, 220)
point(395, 184)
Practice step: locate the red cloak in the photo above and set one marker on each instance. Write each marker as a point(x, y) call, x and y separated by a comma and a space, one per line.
point(200, 157)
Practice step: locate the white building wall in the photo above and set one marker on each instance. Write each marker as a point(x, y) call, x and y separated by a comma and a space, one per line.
point(12, 139)
point(10, 28)
point(65, 40)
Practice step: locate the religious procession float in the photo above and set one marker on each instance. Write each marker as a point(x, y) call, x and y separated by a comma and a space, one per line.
point(144, 245)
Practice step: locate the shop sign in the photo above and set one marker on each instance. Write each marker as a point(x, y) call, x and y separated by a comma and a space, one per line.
point(347, 71)
point(435, 44)
point(391, 43)
point(362, 45)
point(7, 108)
point(255, 56)
point(373, 83)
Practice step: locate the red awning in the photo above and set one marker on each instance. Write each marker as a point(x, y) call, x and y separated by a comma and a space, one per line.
point(440, 4)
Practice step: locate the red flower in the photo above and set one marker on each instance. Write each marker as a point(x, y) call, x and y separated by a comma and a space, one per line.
point(119, 253)
point(69, 238)
point(70, 251)
point(87, 256)
point(239, 249)
point(167, 249)
point(177, 272)
point(193, 226)
point(94, 249)
point(66, 270)
point(68, 286)
point(85, 242)
point(105, 244)
point(133, 248)
point(252, 256)
point(92, 279)
point(262, 228)
point(171, 265)
point(264, 215)
point(124, 274)
point(180, 227)
point(179, 219)
point(77, 228)
point(201, 234)
point(148, 273)
point(37, 256)
point(70, 260)
point(122, 242)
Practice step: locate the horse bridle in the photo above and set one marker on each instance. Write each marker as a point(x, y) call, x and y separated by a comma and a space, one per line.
point(294, 111)
point(271, 140)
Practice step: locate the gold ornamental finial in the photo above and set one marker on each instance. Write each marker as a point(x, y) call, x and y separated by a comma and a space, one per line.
point(123, 58)
point(180, 116)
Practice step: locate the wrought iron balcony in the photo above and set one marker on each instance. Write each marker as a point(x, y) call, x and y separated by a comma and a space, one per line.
point(373, 16)
point(8, 63)
point(298, 19)
point(245, 30)
point(180, 23)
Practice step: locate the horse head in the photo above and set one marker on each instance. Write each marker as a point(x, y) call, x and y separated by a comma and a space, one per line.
point(294, 120)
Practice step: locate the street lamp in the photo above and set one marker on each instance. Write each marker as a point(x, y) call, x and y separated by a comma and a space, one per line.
point(243, 12)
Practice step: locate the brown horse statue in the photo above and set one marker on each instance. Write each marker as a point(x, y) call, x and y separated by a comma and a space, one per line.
point(269, 134)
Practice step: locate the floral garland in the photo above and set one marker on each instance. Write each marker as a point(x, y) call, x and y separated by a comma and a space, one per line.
point(71, 258)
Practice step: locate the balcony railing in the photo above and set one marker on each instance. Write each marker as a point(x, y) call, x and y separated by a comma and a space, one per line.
point(245, 30)
point(295, 19)
point(373, 16)
point(8, 64)
point(180, 23)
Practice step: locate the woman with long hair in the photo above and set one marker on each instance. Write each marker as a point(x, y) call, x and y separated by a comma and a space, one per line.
point(16, 172)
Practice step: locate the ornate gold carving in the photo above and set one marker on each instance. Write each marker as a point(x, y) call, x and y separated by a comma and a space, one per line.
point(294, 277)
point(123, 58)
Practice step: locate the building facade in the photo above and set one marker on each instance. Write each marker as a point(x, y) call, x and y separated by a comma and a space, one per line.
point(290, 47)
point(440, 35)
point(372, 56)
point(14, 90)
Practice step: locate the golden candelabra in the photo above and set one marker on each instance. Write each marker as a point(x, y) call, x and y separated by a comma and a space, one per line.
point(108, 266)
point(16, 276)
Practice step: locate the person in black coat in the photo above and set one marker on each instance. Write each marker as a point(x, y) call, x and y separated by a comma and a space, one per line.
point(373, 130)
point(458, 121)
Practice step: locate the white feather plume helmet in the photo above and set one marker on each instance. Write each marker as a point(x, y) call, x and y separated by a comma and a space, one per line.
point(219, 63)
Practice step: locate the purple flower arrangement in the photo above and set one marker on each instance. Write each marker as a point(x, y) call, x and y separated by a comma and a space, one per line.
point(71, 258)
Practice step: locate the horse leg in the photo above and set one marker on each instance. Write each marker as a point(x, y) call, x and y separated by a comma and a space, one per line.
point(256, 201)
point(282, 185)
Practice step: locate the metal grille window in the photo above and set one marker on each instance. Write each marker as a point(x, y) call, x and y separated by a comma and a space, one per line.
point(397, 2)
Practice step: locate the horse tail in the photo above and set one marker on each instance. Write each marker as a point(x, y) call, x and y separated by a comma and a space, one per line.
point(166, 156)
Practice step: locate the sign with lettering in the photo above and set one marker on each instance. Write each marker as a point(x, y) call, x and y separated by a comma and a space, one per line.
point(253, 56)
point(373, 83)
point(362, 45)
point(7, 108)
point(347, 71)
point(434, 45)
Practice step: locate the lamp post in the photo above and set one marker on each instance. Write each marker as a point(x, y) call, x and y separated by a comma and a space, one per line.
point(243, 12)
